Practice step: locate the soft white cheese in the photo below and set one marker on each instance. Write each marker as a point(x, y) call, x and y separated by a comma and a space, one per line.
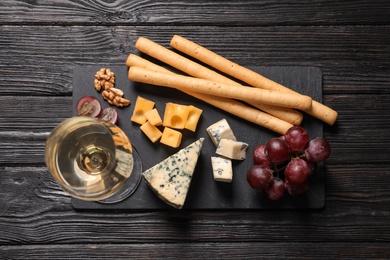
point(232, 149)
point(220, 130)
point(171, 178)
point(222, 169)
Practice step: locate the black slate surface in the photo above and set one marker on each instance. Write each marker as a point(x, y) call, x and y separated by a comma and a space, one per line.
point(205, 193)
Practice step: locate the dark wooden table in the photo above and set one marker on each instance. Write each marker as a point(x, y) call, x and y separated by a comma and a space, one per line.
point(42, 41)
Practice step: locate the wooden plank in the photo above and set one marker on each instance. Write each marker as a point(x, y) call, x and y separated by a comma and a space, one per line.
point(253, 13)
point(36, 63)
point(360, 133)
point(40, 60)
point(356, 137)
point(201, 250)
point(34, 210)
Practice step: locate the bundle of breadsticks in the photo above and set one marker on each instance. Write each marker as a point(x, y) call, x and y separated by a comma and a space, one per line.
point(262, 102)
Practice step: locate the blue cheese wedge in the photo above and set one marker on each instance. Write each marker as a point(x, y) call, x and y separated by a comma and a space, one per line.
point(232, 149)
point(220, 130)
point(171, 178)
point(222, 169)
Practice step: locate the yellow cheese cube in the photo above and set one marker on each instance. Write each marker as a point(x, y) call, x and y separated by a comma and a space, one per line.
point(153, 117)
point(171, 137)
point(142, 105)
point(152, 132)
point(175, 115)
point(193, 118)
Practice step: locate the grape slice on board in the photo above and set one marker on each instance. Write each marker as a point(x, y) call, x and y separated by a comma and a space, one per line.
point(109, 114)
point(88, 106)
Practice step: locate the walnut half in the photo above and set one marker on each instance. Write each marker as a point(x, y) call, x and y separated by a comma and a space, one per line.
point(114, 97)
point(104, 79)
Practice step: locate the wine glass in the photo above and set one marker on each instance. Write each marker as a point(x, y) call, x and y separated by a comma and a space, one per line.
point(93, 160)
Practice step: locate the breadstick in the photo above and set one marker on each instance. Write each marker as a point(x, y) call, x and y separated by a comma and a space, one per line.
point(287, 114)
point(219, 89)
point(246, 112)
point(220, 63)
point(135, 60)
point(196, 70)
point(292, 116)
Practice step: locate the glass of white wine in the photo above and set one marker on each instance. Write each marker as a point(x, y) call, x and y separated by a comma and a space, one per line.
point(93, 160)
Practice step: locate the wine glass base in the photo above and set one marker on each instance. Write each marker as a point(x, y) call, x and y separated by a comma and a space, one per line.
point(131, 184)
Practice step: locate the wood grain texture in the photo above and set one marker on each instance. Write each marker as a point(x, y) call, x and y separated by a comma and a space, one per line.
point(40, 60)
point(201, 250)
point(40, 43)
point(251, 13)
point(39, 212)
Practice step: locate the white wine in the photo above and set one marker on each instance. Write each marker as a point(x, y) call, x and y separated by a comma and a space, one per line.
point(90, 159)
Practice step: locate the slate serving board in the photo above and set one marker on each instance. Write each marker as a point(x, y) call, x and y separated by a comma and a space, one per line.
point(205, 193)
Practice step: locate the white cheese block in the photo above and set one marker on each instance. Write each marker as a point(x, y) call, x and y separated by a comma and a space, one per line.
point(171, 178)
point(232, 149)
point(220, 130)
point(222, 169)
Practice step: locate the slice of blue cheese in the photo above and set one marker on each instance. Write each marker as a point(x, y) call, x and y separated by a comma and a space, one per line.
point(171, 178)
point(222, 169)
point(232, 149)
point(220, 130)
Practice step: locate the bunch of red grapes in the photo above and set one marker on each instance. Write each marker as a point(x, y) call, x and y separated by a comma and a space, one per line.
point(284, 164)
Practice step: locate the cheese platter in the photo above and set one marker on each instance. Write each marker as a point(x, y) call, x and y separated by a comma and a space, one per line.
point(205, 192)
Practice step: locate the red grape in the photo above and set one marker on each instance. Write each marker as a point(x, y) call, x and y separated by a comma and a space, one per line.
point(276, 189)
point(297, 137)
point(296, 189)
point(109, 114)
point(88, 106)
point(312, 166)
point(285, 163)
point(297, 171)
point(277, 151)
point(259, 177)
point(317, 150)
point(259, 156)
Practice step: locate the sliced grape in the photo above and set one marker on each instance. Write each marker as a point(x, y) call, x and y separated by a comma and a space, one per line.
point(297, 138)
point(259, 177)
point(276, 189)
point(88, 106)
point(109, 114)
point(297, 171)
point(259, 156)
point(317, 150)
point(277, 151)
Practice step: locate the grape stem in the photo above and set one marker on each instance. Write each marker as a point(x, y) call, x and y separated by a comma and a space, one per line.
point(277, 170)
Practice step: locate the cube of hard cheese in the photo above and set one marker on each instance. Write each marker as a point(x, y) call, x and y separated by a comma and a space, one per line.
point(142, 105)
point(175, 115)
point(153, 117)
point(193, 118)
point(232, 149)
point(171, 137)
point(222, 169)
point(151, 131)
point(220, 130)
